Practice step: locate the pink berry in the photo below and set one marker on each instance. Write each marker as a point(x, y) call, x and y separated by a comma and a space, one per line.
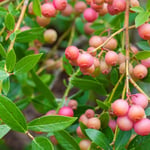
point(83, 119)
point(121, 58)
point(122, 68)
point(112, 124)
point(80, 6)
point(90, 15)
point(146, 62)
point(95, 6)
point(98, 2)
point(87, 71)
point(109, 1)
point(72, 52)
point(139, 99)
point(66, 111)
point(60, 4)
point(48, 10)
point(142, 127)
point(104, 10)
point(73, 104)
point(140, 71)
point(144, 31)
point(111, 58)
point(30, 8)
point(51, 112)
point(104, 68)
point(136, 112)
point(91, 52)
point(134, 3)
point(85, 144)
point(42, 21)
point(95, 41)
point(94, 123)
point(85, 60)
point(120, 107)
point(89, 113)
point(87, 28)
point(67, 11)
point(79, 132)
point(134, 49)
point(124, 123)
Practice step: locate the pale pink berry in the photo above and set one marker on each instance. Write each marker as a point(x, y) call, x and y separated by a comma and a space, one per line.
point(111, 58)
point(60, 4)
point(66, 111)
point(83, 118)
point(104, 10)
point(87, 28)
point(98, 2)
point(95, 41)
point(67, 11)
point(89, 113)
point(42, 21)
point(95, 6)
point(80, 6)
point(134, 49)
point(79, 132)
point(51, 112)
point(73, 104)
point(87, 71)
point(134, 3)
point(122, 68)
point(112, 124)
point(91, 51)
point(121, 58)
point(25, 28)
point(146, 62)
point(94, 123)
point(104, 68)
point(144, 31)
point(85, 144)
point(72, 52)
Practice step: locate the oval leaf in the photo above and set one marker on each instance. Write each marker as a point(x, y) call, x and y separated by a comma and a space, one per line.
point(143, 55)
point(37, 7)
point(3, 75)
point(9, 22)
point(4, 129)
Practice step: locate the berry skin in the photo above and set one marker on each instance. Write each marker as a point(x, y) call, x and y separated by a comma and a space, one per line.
point(72, 52)
point(80, 6)
point(79, 132)
point(90, 51)
point(136, 113)
point(87, 28)
point(67, 11)
point(90, 14)
point(95, 6)
point(73, 104)
point(30, 8)
point(94, 123)
point(42, 21)
point(134, 3)
point(89, 113)
point(66, 111)
point(124, 123)
point(95, 41)
point(51, 112)
point(112, 124)
point(98, 2)
point(108, 1)
point(121, 58)
point(134, 49)
point(146, 62)
point(140, 71)
point(48, 10)
point(139, 99)
point(60, 4)
point(104, 10)
point(120, 107)
point(85, 60)
point(111, 58)
point(85, 144)
point(87, 71)
point(104, 68)
point(83, 118)
point(144, 31)
point(122, 68)
point(50, 36)
point(53, 140)
point(142, 127)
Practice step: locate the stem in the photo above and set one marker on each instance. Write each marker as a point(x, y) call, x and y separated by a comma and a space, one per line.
point(18, 23)
point(124, 91)
point(115, 135)
point(3, 29)
point(30, 135)
point(126, 25)
point(20, 4)
point(72, 34)
point(5, 2)
point(116, 86)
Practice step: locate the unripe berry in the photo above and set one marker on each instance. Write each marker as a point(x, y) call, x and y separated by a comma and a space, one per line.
point(73, 62)
point(72, 52)
point(142, 127)
point(67, 11)
point(136, 113)
point(146, 62)
point(50, 36)
point(66, 111)
point(48, 10)
point(124, 123)
point(85, 60)
point(112, 124)
point(90, 15)
point(104, 68)
point(83, 119)
point(139, 99)
point(60, 4)
point(98, 2)
point(95, 6)
point(120, 107)
point(73, 104)
point(85, 144)
point(87, 71)
point(95, 41)
point(51, 112)
point(104, 10)
point(79, 132)
point(134, 3)
point(80, 6)
point(53, 140)
point(121, 58)
point(111, 58)
point(122, 68)
point(30, 8)
point(134, 49)
point(42, 21)
point(94, 123)
point(140, 71)
point(89, 113)
point(90, 51)
point(144, 31)
point(88, 2)
point(88, 29)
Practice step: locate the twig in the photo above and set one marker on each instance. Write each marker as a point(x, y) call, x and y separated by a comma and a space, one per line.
point(30, 135)
point(71, 35)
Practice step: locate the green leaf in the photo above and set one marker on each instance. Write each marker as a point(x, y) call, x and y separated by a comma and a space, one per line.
point(148, 5)
point(4, 129)
point(114, 76)
point(3, 75)
point(10, 60)
point(42, 143)
point(102, 104)
point(26, 63)
point(11, 115)
point(137, 9)
point(9, 22)
point(122, 139)
point(6, 85)
point(79, 25)
point(142, 55)
point(45, 91)
point(50, 123)
point(2, 51)
point(143, 45)
point(37, 7)
point(87, 84)
point(104, 117)
point(83, 128)
point(67, 66)
point(109, 134)
point(66, 140)
point(3, 11)
point(99, 138)
point(147, 111)
point(141, 18)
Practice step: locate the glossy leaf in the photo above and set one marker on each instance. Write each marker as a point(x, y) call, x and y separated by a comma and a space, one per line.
point(42, 143)
point(26, 63)
point(37, 7)
point(137, 9)
point(101, 104)
point(104, 117)
point(142, 55)
point(9, 22)
point(114, 76)
point(50, 123)
point(11, 115)
point(67, 66)
point(2, 51)
point(6, 85)
point(143, 45)
point(147, 111)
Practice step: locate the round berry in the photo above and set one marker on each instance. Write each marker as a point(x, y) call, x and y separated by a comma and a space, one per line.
point(60, 4)
point(85, 144)
point(111, 58)
point(94, 123)
point(89, 113)
point(91, 51)
point(73, 104)
point(50, 36)
point(112, 124)
point(146, 62)
point(42, 21)
point(80, 6)
point(104, 10)
point(95, 41)
point(79, 132)
point(83, 119)
point(72, 52)
point(67, 11)
point(104, 68)
point(66, 111)
point(134, 49)
point(121, 58)
point(30, 8)
point(88, 71)
point(144, 31)
point(87, 28)
point(51, 112)
point(122, 68)
point(98, 2)
point(95, 6)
